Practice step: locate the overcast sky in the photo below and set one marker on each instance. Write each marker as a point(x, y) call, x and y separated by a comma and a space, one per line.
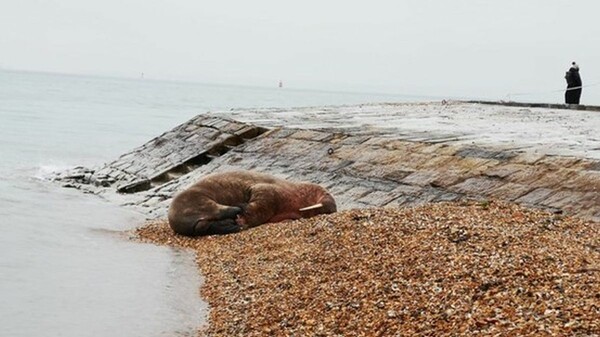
point(429, 47)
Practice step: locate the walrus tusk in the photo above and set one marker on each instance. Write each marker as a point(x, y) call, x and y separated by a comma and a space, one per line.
point(315, 206)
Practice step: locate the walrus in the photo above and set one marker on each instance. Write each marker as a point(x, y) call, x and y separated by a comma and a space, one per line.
point(228, 202)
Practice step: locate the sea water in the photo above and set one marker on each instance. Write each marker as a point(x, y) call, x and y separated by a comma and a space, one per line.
point(66, 268)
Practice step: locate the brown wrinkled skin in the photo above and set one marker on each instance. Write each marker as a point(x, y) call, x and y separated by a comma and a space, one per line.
point(228, 202)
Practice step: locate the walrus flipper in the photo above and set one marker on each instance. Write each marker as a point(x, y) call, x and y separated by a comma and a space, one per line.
point(261, 206)
point(221, 227)
point(225, 224)
point(229, 212)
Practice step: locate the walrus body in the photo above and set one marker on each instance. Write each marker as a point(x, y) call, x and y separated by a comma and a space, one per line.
point(229, 202)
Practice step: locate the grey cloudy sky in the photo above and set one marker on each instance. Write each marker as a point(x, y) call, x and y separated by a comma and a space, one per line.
point(429, 47)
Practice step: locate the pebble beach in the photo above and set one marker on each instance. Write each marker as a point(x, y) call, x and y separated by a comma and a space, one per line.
point(465, 268)
point(416, 250)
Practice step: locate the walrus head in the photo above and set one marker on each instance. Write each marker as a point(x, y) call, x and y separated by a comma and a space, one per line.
point(325, 204)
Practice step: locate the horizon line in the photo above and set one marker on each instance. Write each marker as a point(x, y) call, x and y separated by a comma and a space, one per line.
point(250, 86)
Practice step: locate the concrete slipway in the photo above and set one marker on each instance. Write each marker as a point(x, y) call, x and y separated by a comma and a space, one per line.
point(375, 155)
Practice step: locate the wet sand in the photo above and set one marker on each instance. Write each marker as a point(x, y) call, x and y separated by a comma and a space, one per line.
point(446, 269)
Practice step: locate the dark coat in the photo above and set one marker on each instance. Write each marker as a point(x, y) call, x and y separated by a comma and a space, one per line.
point(572, 96)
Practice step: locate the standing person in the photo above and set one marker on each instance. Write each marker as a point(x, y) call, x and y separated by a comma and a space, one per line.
point(573, 92)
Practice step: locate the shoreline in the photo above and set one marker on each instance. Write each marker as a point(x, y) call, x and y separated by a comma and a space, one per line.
point(383, 271)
